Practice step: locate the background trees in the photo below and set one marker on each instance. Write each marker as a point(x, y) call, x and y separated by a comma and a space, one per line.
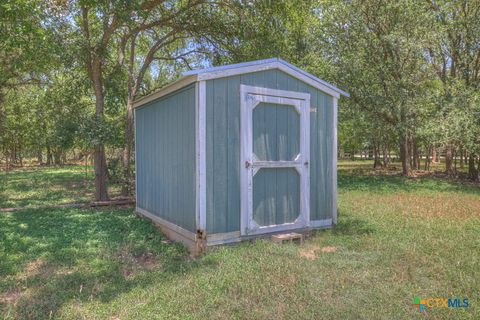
point(70, 71)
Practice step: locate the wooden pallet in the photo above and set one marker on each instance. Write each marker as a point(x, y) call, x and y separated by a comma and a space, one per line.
point(292, 236)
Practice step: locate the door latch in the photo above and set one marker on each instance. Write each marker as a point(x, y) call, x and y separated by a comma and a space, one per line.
point(247, 164)
point(306, 163)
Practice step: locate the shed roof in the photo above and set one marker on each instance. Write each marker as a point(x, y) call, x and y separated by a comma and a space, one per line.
point(241, 68)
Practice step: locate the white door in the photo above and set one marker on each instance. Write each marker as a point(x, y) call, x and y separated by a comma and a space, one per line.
point(274, 172)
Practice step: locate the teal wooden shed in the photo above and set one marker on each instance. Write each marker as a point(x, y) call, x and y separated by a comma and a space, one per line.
point(235, 152)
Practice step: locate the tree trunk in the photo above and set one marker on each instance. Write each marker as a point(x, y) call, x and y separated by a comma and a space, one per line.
point(57, 157)
point(99, 159)
point(5, 177)
point(404, 156)
point(410, 152)
point(49, 155)
point(434, 155)
point(39, 157)
point(127, 150)
point(95, 55)
point(462, 162)
point(427, 158)
point(376, 155)
point(385, 155)
point(415, 155)
point(20, 156)
point(455, 155)
point(100, 168)
point(449, 159)
point(472, 171)
point(14, 154)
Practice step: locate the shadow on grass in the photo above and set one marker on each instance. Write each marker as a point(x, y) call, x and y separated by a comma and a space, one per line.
point(352, 226)
point(47, 185)
point(51, 257)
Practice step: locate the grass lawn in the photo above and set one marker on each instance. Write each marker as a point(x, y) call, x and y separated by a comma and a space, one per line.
point(397, 238)
point(39, 186)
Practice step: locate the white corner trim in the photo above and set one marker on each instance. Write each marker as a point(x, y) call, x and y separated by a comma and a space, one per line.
point(135, 152)
point(201, 155)
point(197, 158)
point(245, 137)
point(334, 161)
point(305, 117)
point(173, 227)
point(174, 86)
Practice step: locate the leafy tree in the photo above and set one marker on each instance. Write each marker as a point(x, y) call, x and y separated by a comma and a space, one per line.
point(378, 48)
point(27, 48)
point(455, 58)
point(165, 36)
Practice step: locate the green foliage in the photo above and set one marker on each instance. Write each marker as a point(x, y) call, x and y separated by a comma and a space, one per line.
point(26, 41)
point(395, 240)
point(411, 67)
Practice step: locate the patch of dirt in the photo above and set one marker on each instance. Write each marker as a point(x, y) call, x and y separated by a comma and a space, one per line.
point(131, 263)
point(38, 268)
point(10, 297)
point(310, 252)
point(146, 260)
point(34, 266)
point(329, 249)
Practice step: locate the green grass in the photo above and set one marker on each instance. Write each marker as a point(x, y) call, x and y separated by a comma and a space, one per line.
point(397, 238)
point(40, 186)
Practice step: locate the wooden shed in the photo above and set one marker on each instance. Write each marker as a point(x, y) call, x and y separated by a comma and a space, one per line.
point(234, 152)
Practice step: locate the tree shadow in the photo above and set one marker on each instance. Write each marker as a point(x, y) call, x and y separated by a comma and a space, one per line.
point(353, 227)
point(52, 257)
point(47, 185)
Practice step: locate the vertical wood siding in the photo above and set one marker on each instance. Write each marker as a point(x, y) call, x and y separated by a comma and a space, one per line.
point(276, 132)
point(165, 156)
point(276, 196)
point(223, 146)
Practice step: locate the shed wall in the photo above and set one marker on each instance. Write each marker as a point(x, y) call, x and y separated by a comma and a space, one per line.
point(165, 157)
point(223, 147)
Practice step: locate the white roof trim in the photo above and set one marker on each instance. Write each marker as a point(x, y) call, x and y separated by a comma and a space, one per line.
point(241, 68)
point(169, 88)
point(259, 65)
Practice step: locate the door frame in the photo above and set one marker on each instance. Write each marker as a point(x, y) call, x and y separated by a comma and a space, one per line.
point(250, 97)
